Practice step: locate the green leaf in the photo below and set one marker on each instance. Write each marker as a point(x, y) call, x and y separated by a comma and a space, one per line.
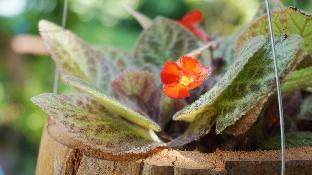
point(298, 80)
point(138, 90)
point(75, 57)
point(111, 104)
point(163, 41)
point(92, 126)
point(246, 85)
point(285, 21)
point(294, 139)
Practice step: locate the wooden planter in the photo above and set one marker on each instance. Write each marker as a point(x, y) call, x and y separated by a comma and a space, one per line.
point(55, 159)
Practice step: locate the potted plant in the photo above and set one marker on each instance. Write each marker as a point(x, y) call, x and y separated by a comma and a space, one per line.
point(180, 89)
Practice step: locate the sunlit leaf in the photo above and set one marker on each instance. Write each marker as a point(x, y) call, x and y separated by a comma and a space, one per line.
point(88, 125)
point(293, 139)
point(164, 40)
point(298, 80)
point(111, 104)
point(75, 57)
point(285, 21)
point(247, 83)
point(138, 90)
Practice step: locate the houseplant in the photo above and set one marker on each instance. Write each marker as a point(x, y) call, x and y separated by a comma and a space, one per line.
point(121, 119)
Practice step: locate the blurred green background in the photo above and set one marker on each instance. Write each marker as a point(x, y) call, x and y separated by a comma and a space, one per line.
point(101, 22)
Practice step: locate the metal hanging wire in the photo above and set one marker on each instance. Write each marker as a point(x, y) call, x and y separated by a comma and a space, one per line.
point(278, 89)
point(57, 71)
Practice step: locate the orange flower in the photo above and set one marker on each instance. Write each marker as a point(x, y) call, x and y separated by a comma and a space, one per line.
point(191, 21)
point(182, 76)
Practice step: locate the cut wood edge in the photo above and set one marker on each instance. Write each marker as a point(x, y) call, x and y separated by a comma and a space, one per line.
point(56, 158)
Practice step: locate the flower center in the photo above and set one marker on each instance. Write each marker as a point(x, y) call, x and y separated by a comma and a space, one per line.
point(186, 80)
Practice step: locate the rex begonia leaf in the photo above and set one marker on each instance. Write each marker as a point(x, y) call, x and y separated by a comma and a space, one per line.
point(75, 57)
point(79, 121)
point(111, 104)
point(245, 87)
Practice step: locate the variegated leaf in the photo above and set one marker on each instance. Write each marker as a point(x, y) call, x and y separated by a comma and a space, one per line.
point(247, 83)
point(285, 21)
point(138, 89)
point(82, 120)
point(111, 104)
point(163, 41)
point(75, 57)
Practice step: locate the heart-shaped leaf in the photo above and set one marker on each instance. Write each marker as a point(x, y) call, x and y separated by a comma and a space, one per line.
point(247, 83)
point(75, 57)
point(79, 121)
point(111, 104)
point(285, 21)
point(138, 90)
point(164, 40)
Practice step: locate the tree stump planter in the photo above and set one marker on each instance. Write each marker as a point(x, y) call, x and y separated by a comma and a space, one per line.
point(56, 158)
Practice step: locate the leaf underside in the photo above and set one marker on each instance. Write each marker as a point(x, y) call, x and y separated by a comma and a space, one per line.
point(75, 57)
point(165, 40)
point(285, 21)
point(91, 123)
point(247, 83)
point(111, 104)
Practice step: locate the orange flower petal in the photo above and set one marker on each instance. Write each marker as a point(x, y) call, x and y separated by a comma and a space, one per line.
point(190, 65)
point(192, 18)
point(170, 74)
point(177, 91)
point(199, 79)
